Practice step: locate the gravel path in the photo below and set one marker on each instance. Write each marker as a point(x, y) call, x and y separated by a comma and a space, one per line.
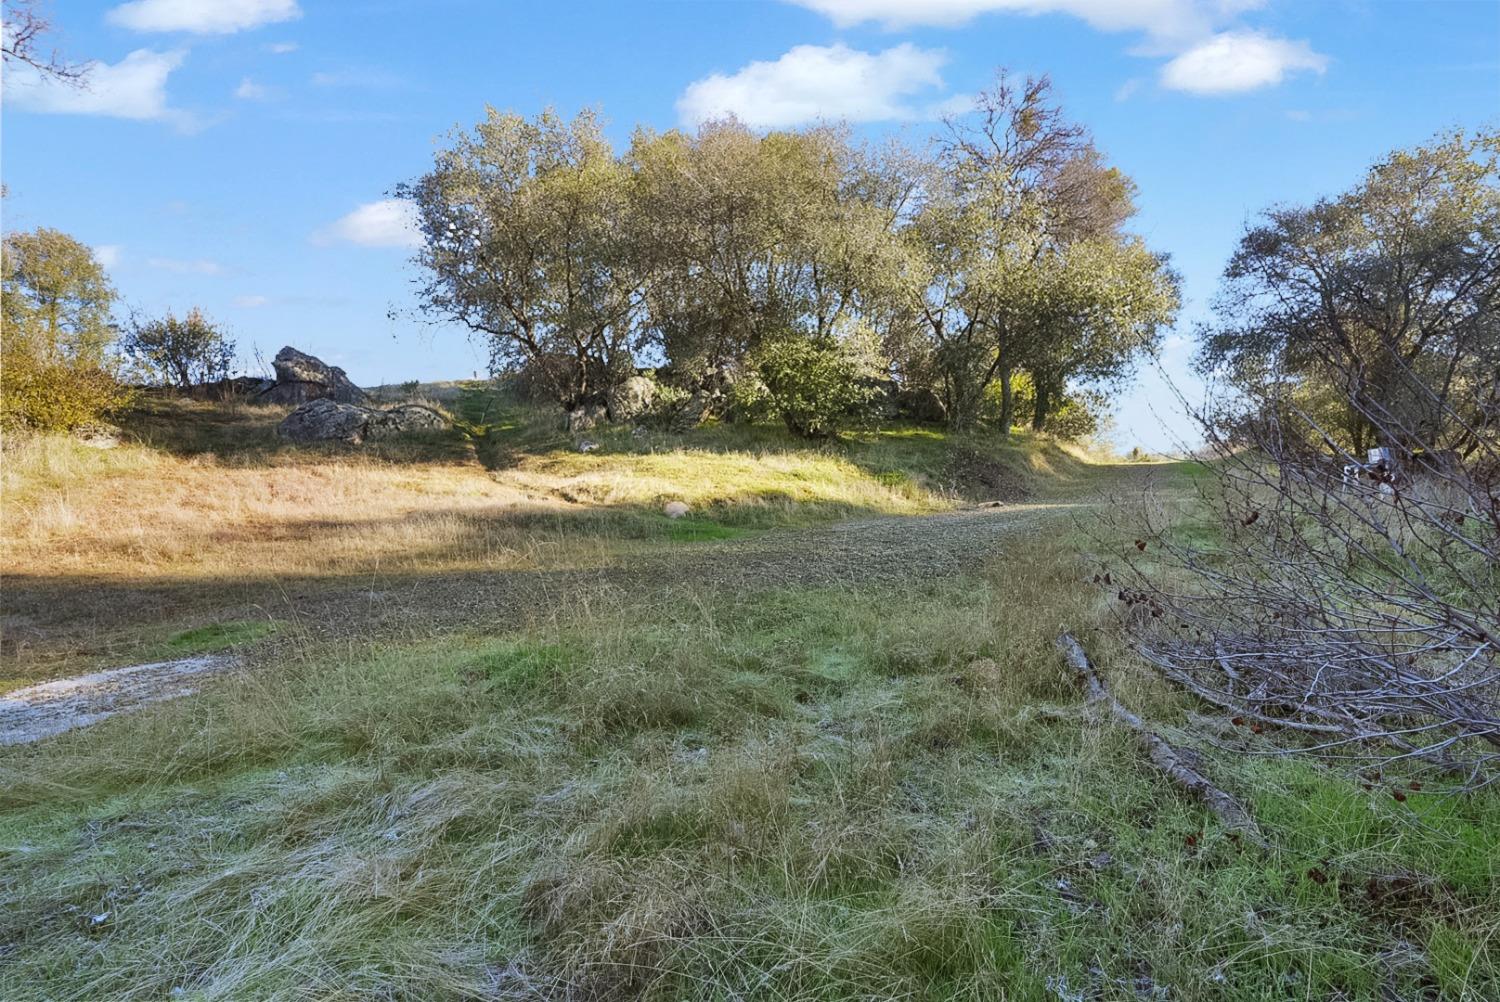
point(40, 711)
point(873, 549)
point(889, 548)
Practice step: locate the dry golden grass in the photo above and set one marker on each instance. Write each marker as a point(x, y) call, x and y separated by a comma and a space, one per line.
point(141, 512)
point(134, 512)
point(201, 516)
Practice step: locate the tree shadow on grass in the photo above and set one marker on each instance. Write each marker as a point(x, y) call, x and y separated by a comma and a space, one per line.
point(244, 435)
point(482, 572)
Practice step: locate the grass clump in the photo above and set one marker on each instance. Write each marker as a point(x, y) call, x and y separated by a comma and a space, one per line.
point(217, 637)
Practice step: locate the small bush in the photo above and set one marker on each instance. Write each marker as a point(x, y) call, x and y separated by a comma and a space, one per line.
point(56, 372)
point(179, 352)
point(813, 384)
point(55, 396)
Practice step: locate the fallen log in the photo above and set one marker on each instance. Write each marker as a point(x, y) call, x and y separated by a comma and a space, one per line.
point(1162, 755)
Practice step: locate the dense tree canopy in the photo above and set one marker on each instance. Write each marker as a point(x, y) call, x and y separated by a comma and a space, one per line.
point(57, 298)
point(713, 253)
point(1020, 262)
point(528, 241)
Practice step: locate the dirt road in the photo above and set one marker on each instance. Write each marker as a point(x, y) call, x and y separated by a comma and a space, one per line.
point(861, 550)
point(393, 609)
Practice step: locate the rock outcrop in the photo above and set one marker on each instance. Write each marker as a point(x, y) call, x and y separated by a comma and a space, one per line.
point(711, 398)
point(631, 399)
point(586, 417)
point(300, 377)
point(325, 420)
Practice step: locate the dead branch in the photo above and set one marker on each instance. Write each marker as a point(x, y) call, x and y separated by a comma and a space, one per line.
point(1162, 755)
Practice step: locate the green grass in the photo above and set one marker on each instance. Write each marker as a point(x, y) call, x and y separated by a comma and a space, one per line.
point(873, 792)
point(815, 793)
point(217, 637)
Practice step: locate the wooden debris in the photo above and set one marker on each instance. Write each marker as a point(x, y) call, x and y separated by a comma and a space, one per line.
point(1162, 755)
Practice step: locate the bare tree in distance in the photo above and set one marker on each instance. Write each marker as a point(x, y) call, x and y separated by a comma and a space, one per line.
point(26, 22)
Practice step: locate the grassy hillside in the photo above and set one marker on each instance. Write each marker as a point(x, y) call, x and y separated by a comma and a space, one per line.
point(201, 514)
point(507, 732)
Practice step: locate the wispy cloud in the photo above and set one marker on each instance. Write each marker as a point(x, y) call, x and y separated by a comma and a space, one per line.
point(358, 79)
point(202, 17)
point(249, 90)
point(179, 267)
point(281, 48)
point(811, 82)
point(108, 255)
point(1209, 54)
point(249, 302)
point(390, 222)
point(954, 104)
point(1158, 18)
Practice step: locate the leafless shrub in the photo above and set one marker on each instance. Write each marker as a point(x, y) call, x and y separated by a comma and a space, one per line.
point(1353, 600)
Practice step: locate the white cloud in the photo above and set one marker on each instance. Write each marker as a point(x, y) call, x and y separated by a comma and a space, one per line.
point(281, 48)
point(813, 81)
point(249, 302)
point(390, 222)
point(1159, 18)
point(951, 106)
point(249, 90)
point(202, 17)
point(1210, 55)
point(135, 87)
point(1235, 61)
point(108, 255)
point(198, 267)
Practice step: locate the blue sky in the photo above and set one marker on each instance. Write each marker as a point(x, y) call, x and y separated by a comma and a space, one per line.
point(236, 154)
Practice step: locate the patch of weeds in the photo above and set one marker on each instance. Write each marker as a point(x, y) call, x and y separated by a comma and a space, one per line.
point(218, 637)
point(698, 530)
point(1432, 833)
point(1466, 967)
point(523, 668)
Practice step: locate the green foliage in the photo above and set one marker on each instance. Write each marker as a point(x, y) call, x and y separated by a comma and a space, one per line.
point(1072, 414)
point(752, 236)
point(813, 384)
point(55, 371)
point(179, 352)
point(1016, 261)
point(56, 396)
point(529, 242)
point(56, 297)
point(1004, 255)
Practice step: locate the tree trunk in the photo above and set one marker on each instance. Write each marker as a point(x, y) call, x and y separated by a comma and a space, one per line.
point(1042, 407)
point(1007, 402)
